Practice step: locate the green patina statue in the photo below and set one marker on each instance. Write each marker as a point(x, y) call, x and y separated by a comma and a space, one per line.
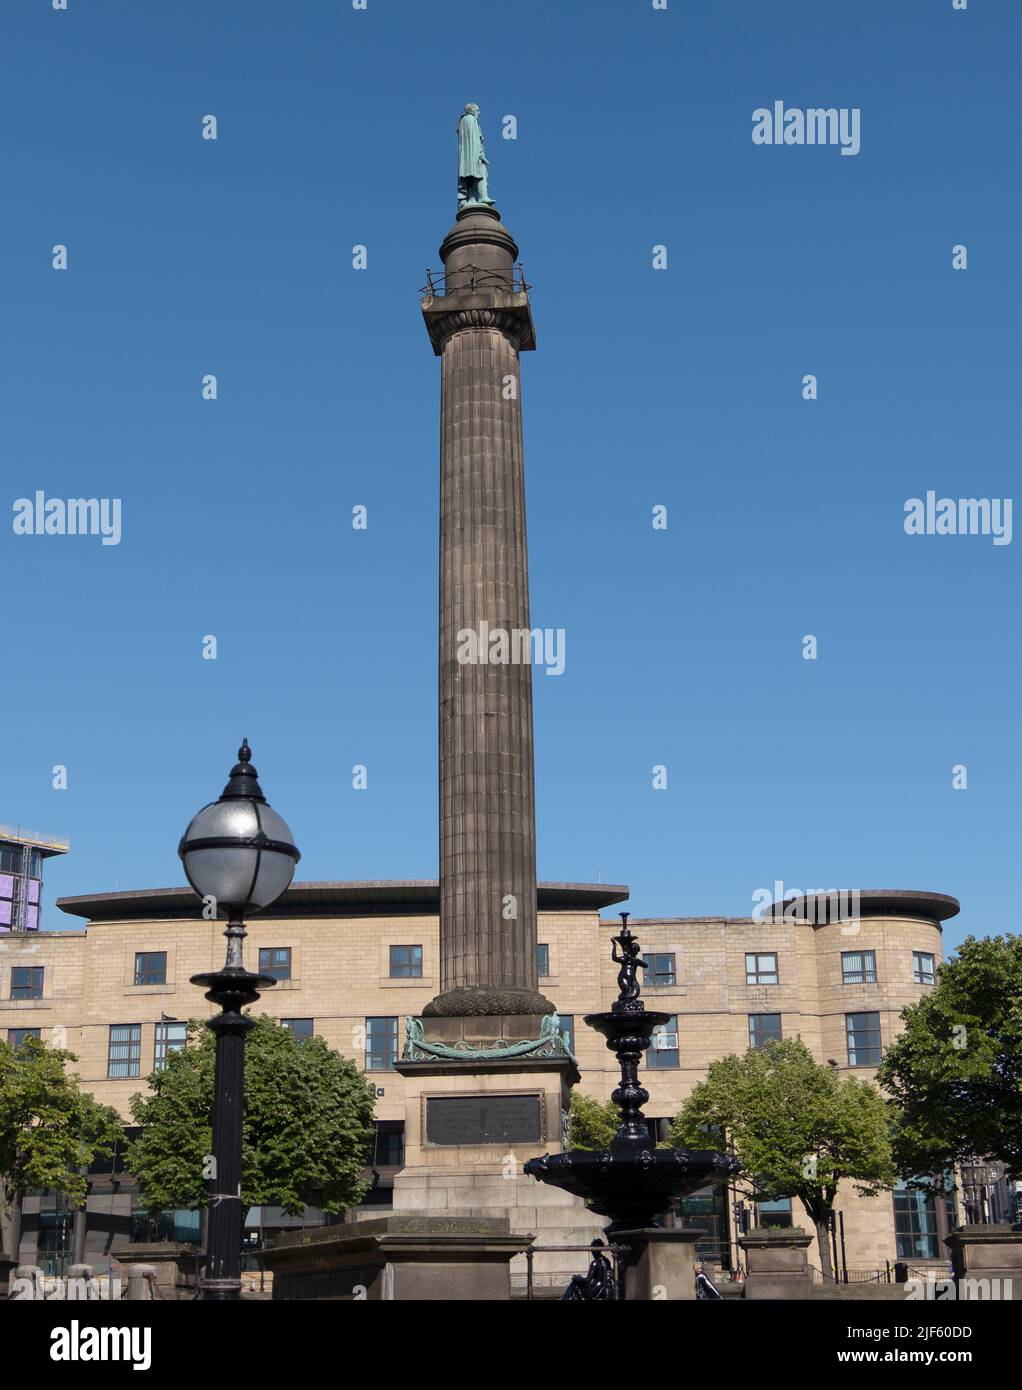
point(472, 162)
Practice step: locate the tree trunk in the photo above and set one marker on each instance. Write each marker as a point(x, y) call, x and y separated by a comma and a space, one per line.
point(823, 1239)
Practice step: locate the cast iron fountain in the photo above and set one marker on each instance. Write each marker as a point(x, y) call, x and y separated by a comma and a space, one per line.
point(632, 1182)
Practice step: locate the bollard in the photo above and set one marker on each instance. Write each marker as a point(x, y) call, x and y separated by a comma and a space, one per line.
point(81, 1283)
point(27, 1282)
point(141, 1281)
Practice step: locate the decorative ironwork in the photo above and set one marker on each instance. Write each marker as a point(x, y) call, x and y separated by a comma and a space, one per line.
point(475, 277)
point(633, 1182)
point(550, 1043)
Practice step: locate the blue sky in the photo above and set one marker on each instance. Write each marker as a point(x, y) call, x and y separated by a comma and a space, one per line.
point(679, 387)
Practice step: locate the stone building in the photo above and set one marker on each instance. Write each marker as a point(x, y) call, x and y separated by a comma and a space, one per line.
point(116, 992)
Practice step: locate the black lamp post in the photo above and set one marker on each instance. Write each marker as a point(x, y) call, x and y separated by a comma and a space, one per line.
point(239, 857)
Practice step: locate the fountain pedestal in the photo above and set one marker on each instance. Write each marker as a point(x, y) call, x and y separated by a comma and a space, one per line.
point(660, 1264)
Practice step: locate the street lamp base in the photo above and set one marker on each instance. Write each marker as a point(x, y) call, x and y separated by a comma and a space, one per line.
point(220, 1290)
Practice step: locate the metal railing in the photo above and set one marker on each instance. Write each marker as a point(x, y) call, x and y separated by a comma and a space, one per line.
point(479, 277)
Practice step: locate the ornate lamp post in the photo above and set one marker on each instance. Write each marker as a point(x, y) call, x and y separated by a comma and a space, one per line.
point(239, 857)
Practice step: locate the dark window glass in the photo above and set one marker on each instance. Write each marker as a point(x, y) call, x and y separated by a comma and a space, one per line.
point(915, 1224)
point(390, 1144)
point(764, 1028)
point(922, 967)
point(661, 968)
point(125, 1054)
point(663, 1047)
point(858, 967)
point(567, 1030)
point(300, 1027)
point(543, 958)
point(761, 968)
point(150, 967)
point(170, 1037)
point(16, 1036)
point(27, 982)
point(863, 1039)
point(406, 962)
point(178, 1224)
point(776, 1213)
point(275, 961)
point(381, 1044)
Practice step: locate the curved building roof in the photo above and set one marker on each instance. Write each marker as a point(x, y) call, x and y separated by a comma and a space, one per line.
point(380, 898)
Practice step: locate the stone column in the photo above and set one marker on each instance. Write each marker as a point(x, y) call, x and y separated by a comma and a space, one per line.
point(478, 327)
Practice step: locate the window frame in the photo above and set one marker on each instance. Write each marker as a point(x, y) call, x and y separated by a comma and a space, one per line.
point(924, 955)
point(757, 970)
point(865, 975)
point(163, 1045)
point(653, 973)
point(665, 1030)
point(134, 1054)
point(543, 958)
point(272, 966)
point(850, 1034)
point(381, 1018)
point(143, 982)
point(288, 1023)
point(407, 970)
point(29, 990)
point(778, 1037)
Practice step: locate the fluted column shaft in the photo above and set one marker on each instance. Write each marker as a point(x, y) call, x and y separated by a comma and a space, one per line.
point(487, 796)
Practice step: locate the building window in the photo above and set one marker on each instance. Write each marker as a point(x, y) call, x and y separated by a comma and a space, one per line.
point(863, 1039)
point(406, 962)
point(125, 1055)
point(381, 1044)
point(390, 1144)
point(764, 1028)
point(922, 967)
point(150, 967)
point(761, 968)
point(858, 967)
point(658, 1130)
point(170, 1037)
point(180, 1224)
point(774, 1214)
point(298, 1027)
point(567, 1031)
point(661, 969)
point(275, 961)
point(26, 982)
point(915, 1224)
point(16, 1036)
point(663, 1046)
point(543, 958)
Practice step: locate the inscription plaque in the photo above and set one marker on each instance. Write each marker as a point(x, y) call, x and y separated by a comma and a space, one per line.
point(483, 1120)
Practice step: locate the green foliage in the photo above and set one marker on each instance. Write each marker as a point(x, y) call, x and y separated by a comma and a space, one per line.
point(50, 1129)
point(593, 1125)
point(795, 1127)
point(308, 1131)
point(955, 1072)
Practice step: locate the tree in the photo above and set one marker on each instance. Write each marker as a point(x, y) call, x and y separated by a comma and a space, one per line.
point(51, 1131)
point(795, 1127)
point(308, 1129)
point(593, 1125)
point(955, 1072)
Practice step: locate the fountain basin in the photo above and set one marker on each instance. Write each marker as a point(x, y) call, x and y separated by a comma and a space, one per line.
point(634, 1187)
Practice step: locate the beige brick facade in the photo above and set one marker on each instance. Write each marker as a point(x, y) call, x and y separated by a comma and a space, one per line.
point(340, 978)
